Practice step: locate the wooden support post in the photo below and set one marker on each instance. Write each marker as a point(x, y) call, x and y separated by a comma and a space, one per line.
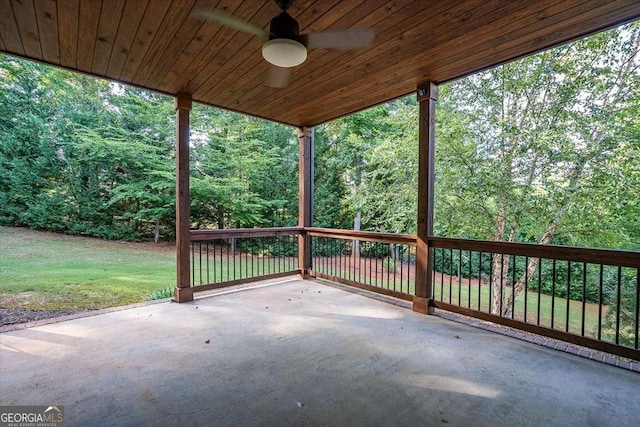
point(427, 98)
point(305, 203)
point(183, 291)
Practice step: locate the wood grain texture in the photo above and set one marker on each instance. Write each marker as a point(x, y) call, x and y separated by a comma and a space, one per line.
point(25, 16)
point(47, 18)
point(164, 46)
point(427, 94)
point(183, 218)
point(9, 30)
point(87, 28)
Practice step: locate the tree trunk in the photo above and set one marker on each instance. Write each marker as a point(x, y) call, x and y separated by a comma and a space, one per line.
point(156, 231)
point(496, 265)
point(356, 243)
point(520, 285)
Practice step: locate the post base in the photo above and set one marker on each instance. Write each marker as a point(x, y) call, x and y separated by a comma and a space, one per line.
point(421, 305)
point(183, 294)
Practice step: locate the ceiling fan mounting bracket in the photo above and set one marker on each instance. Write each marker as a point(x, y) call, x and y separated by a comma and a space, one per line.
point(284, 26)
point(285, 4)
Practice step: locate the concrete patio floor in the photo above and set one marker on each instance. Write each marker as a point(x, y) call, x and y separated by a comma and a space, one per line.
point(303, 353)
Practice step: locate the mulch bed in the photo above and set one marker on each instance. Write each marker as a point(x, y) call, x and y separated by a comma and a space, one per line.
point(10, 316)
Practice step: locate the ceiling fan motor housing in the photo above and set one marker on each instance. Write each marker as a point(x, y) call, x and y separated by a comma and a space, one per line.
point(284, 26)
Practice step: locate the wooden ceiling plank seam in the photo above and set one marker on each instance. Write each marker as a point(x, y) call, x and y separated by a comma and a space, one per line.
point(88, 20)
point(315, 61)
point(194, 49)
point(127, 28)
point(254, 77)
point(373, 18)
point(467, 39)
point(246, 71)
point(25, 15)
point(524, 31)
point(68, 16)
point(193, 75)
point(183, 37)
point(161, 40)
point(233, 53)
point(391, 50)
point(9, 29)
point(143, 39)
point(387, 41)
point(47, 22)
point(239, 43)
point(257, 68)
point(569, 33)
point(523, 42)
point(110, 16)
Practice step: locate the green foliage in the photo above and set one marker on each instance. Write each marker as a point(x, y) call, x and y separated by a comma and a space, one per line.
point(167, 292)
point(83, 156)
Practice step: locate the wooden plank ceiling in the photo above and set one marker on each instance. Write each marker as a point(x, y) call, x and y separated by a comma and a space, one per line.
point(162, 45)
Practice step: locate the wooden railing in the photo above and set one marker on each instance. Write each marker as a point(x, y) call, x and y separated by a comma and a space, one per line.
point(589, 297)
point(379, 262)
point(222, 258)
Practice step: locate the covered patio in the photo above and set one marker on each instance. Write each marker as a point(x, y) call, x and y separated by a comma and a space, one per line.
point(303, 352)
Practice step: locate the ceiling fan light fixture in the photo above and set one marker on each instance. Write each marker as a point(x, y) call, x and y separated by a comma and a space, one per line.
point(284, 53)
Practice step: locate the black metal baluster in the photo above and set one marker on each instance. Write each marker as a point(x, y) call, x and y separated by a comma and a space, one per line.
point(584, 296)
point(450, 275)
point(491, 257)
point(600, 302)
point(228, 260)
point(240, 262)
point(401, 256)
point(441, 274)
point(388, 268)
point(566, 327)
point(479, 280)
point(470, 274)
point(553, 293)
point(618, 301)
point(539, 288)
point(262, 255)
point(193, 264)
point(526, 286)
point(513, 286)
point(207, 248)
point(501, 282)
point(637, 308)
point(395, 265)
point(459, 273)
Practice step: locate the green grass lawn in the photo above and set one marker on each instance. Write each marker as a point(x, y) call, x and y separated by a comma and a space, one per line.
point(46, 271)
point(458, 294)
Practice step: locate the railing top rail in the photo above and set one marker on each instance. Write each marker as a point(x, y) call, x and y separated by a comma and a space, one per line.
point(239, 233)
point(568, 253)
point(622, 258)
point(373, 236)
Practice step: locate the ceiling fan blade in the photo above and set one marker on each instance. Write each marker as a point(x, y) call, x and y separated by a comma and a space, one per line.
point(345, 39)
point(278, 77)
point(230, 21)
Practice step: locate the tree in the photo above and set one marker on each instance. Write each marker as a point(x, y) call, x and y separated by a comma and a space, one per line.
point(540, 130)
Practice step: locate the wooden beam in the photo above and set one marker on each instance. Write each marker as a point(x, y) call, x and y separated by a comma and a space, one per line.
point(183, 291)
point(305, 201)
point(427, 97)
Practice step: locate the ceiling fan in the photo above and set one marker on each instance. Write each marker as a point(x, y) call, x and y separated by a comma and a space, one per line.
point(284, 46)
